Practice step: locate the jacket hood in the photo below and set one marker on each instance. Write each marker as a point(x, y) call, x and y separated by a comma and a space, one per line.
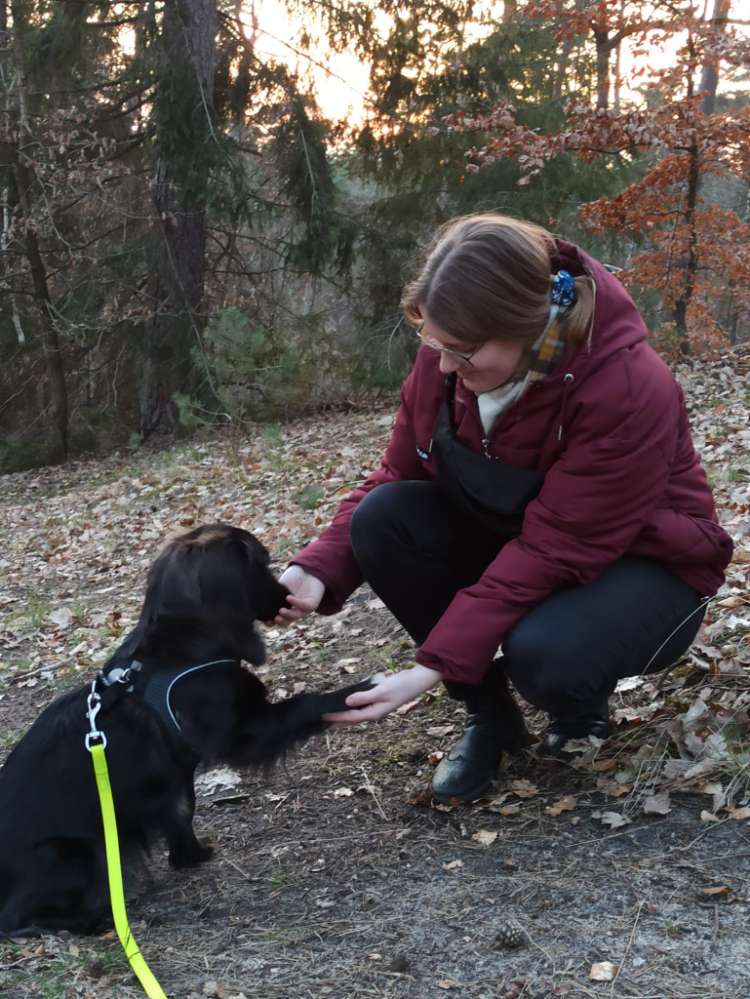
point(617, 322)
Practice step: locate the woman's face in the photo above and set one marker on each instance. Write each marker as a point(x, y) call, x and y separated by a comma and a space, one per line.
point(483, 367)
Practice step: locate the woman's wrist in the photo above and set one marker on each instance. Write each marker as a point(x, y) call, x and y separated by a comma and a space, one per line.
point(425, 677)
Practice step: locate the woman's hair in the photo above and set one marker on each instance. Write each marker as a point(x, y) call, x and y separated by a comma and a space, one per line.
point(488, 277)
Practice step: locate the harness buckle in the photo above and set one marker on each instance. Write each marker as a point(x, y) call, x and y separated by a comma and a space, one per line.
point(93, 707)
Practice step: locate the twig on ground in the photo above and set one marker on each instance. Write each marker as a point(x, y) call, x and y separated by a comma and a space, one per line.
point(621, 965)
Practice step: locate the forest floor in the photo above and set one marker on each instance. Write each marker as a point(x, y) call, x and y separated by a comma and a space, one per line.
point(337, 876)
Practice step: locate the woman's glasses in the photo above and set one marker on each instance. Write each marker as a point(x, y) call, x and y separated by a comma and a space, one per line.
point(429, 341)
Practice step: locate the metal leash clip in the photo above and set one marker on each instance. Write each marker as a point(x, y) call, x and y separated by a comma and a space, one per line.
point(93, 705)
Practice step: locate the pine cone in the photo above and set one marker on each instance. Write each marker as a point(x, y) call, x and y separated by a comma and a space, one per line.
point(509, 936)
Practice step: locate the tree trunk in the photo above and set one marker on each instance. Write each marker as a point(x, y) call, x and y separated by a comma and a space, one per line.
point(689, 266)
point(25, 182)
point(710, 70)
point(185, 144)
point(603, 49)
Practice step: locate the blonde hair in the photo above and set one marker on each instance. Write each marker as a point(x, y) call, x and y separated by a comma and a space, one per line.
point(487, 277)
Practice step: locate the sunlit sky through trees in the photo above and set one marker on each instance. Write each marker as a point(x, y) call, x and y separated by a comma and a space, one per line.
point(340, 80)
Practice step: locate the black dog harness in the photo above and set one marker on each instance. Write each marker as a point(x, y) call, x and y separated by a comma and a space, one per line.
point(156, 689)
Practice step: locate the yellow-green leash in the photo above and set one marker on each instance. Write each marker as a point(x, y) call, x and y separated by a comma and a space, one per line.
point(96, 742)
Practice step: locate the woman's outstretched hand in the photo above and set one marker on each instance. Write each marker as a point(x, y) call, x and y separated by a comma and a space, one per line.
point(390, 692)
point(305, 594)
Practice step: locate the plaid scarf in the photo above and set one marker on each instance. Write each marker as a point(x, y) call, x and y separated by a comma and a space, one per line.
point(546, 351)
point(542, 359)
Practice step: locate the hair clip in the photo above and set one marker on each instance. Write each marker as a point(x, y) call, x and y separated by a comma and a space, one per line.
point(563, 290)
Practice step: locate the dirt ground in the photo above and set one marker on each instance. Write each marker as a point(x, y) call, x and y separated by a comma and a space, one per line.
point(336, 875)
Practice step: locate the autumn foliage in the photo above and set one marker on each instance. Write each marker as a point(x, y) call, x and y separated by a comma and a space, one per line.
point(685, 245)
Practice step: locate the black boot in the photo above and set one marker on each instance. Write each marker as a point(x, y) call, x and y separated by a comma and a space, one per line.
point(592, 722)
point(494, 725)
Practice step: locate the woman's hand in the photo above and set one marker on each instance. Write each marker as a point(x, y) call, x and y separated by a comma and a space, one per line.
point(389, 693)
point(305, 594)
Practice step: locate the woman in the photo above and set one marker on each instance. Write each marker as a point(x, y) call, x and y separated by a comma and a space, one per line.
point(540, 492)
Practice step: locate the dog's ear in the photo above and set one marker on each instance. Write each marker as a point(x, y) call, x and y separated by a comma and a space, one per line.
point(213, 582)
point(266, 595)
point(231, 581)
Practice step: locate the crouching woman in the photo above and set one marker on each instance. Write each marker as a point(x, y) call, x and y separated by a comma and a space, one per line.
point(540, 494)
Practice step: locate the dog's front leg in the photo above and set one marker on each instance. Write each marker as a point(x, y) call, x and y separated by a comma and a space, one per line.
point(185, 850)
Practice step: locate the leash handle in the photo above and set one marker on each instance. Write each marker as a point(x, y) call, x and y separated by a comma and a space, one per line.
point(114, 874)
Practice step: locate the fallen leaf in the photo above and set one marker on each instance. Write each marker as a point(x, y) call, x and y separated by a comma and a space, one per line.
point(739, 813)
point(601, 766)
point(484, 837)
point(566, 804)
point(524, 789)
point(62, 617)
point(709, 816)
point(722, 890)
point(657, 804)
point(495, 803)
point(448, 983)
point(612, 819)
point(343, 792)
point(409, 706)
point(453, 865)
point(513, 809)
point(629, 683)
point(220, 777)
point(603, 971)
point(733, 602)
point(612, 789)
point(440, 730)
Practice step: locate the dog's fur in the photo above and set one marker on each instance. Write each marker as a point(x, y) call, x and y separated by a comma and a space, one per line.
point(204, 592)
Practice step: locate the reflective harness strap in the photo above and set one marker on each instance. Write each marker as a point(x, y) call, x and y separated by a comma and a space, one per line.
point(96, 742)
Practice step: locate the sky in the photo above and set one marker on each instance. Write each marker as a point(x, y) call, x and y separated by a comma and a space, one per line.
point(340, 82)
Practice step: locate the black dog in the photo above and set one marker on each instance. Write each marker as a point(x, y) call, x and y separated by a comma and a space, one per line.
point(173, 695)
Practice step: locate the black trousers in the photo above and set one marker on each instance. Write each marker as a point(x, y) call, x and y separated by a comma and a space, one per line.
point(567, 653)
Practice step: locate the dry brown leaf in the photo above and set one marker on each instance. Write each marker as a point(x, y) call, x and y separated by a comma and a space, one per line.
point(448, 983)
point(409, 706)
point(506, 810)
point(721, 890)
point(739, 813)
point(565, 804)
point(343, 792)
point(440, 730)
point(732, 602)
point(524, 789)
point(601, 766)
point(612, 789)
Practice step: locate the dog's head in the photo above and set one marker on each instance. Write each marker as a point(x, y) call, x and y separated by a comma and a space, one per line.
point(207, 587)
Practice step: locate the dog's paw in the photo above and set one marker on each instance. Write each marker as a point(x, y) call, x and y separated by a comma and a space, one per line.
point(190, 856)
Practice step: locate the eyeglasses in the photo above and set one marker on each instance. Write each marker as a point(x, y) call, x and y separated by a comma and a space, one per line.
point(429, 341)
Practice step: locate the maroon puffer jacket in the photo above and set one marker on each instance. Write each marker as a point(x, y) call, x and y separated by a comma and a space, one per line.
point(610, 430)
